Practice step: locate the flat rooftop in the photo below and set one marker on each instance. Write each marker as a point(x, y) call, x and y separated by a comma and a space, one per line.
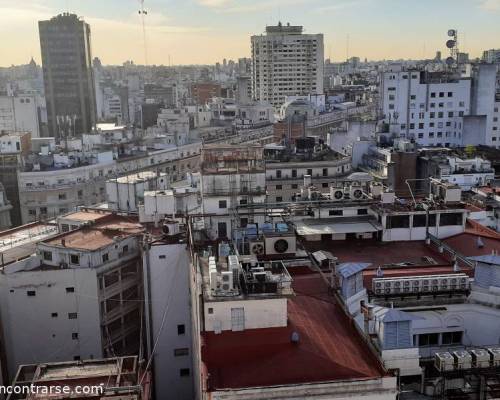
point(102, 234)
point(380, 253)
point(86, 215)
point(20, 242)
point(329, 349)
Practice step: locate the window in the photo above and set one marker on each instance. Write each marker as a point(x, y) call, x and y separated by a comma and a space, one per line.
point(309, 171)
point(31, 293)
point(335, 212)
point(278, 173)
point(72, 315)
point(325, 171)
point(62, 196)
point(294, 173)
point(295, 186)
point(222, 203)
point(398, 221)
point(362, 211)
point(125, 249)
point(428, 339)
point(279, 187)
point(450, 94)
point(184, 372)
point(210, 310)
point(105, 257)
point(70, 290)
point(53, 315)
point(279, 199)
point(162, 256)
point(47, 255)
point(420, 220)
point(441, 94)
point(75, 259)
point(181, 352)
point(181, 329)
point(243, 202)
point(433, 94)
point(76, 358)
point(450, 219)
point(451, 338)
point(74, 336)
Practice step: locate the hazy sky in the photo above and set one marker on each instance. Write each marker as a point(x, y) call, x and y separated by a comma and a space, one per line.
point(206, 31)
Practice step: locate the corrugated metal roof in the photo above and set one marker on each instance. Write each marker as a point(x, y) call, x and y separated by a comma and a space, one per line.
point(488, 259)
point(349, 269)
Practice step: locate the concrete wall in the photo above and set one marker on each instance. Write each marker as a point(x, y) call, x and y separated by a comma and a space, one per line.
point(32, 334)
point(168, 292)
point(265, 313)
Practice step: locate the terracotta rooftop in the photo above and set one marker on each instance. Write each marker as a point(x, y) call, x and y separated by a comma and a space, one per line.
point(379, 253)
point(99, 235)
point(86, 215)
point(329, 348)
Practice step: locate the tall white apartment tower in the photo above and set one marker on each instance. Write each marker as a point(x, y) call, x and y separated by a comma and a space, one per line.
point(286, 62)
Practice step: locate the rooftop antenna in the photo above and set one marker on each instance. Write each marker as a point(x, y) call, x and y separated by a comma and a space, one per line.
point(347, 48)
point(143, 13)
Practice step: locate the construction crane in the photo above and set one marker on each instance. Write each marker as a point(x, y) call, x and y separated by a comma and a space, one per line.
point(143, 13)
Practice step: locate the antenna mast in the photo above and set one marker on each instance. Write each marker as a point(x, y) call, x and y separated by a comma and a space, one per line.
point(143, 13)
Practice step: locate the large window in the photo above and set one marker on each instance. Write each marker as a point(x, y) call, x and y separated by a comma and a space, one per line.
point(452, 338)
point(428, 339)
point(398, 221)
point(419, 220)
point(450, 219)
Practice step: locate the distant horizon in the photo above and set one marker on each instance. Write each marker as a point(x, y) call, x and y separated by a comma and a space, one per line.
point(203, 32)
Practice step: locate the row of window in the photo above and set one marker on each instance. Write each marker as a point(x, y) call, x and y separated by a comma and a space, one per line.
point(438, 339)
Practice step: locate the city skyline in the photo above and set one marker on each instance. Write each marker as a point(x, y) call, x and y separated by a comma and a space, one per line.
point(206, 31)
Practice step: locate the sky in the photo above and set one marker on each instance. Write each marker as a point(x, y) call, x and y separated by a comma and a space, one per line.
point(206, 31)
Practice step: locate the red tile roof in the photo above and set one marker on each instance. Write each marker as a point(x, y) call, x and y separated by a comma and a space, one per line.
point(329, 349)
point(379, 253)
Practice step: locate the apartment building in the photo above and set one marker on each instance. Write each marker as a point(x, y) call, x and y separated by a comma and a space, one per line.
point(285, 62)
point(75, 296)
point(285, 176)
point(425, 106)
point(231, 176)
point(21, 112)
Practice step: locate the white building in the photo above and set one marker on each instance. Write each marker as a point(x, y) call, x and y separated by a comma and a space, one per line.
point(166, 266)
point(20, 113)
point(285, 62)
point(127, 192)
point(491, 56)
point(77, 296)
point(231, 177)
point(427, 107)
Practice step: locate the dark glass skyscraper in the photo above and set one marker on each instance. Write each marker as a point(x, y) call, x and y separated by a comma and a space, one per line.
point(67, 75)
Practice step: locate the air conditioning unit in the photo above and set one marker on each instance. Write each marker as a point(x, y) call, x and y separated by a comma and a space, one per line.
point(355, 193)
point(494, 356)
point(480, 358)
point(170, 228)
point(280, 245)
point(336, 194)
point(463, 359)
point(444, 361)
point(227, 282)
point(257, 248)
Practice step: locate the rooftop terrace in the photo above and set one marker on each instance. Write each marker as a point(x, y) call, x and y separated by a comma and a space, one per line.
point(329, 347)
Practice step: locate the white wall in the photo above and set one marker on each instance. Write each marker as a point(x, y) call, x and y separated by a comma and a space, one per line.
point(259, 313)
point(31, 334)
point(168, 282)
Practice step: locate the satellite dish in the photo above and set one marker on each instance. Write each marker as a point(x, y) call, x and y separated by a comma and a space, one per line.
point(450, 61)
point(450, 44)
point(452, 32)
